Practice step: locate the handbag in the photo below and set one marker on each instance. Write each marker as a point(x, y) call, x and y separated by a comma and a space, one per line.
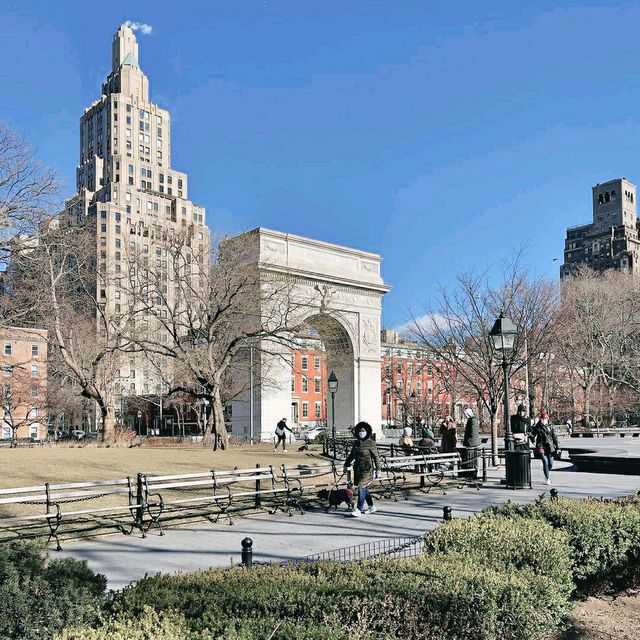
point(538, 452)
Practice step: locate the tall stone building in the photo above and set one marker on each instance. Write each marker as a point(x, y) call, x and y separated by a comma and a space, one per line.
point(129, 192)
point(612, 239)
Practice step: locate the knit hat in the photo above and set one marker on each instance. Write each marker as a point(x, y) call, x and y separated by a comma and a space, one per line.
point(521, 407)
point(544, 414)
point(407, 431)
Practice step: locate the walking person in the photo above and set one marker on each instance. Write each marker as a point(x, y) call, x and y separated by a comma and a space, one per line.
point(449, 437)
point(281, 433)
point(545, 441)
point(366, 462)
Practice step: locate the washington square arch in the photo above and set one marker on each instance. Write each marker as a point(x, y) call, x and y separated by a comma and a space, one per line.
point(337, 293)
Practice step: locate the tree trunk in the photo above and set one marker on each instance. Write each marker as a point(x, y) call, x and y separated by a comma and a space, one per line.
point(108, 423)
point(222, 437)
point(208, 430)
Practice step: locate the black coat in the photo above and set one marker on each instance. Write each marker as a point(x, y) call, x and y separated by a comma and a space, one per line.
point(472, 433)
point(544, 436)
point(520, 424)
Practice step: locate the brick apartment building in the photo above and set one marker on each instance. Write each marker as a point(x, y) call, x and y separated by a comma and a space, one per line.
point(308, 385)
point(414, 384)
point(23, 390)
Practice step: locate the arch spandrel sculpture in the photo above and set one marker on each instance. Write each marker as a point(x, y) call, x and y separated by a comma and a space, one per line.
point(336, 290)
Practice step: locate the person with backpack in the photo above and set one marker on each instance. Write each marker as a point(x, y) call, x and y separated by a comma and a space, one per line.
point(366, 461)
point(281, 429)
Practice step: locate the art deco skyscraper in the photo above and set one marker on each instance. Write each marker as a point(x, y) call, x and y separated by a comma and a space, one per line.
point(127, 187)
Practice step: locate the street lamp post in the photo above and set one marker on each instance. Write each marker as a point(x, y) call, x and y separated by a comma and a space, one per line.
point(412, 406)
point(503, 334)
point(333, 387)
point(139, 422)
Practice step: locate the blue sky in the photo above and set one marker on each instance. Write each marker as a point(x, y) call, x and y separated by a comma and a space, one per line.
point(441, 135)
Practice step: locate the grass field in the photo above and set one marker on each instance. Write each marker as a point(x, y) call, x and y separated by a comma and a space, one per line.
point(25, 467)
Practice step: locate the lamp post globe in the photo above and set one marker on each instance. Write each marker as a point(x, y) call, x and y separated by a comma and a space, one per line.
point(503, 335)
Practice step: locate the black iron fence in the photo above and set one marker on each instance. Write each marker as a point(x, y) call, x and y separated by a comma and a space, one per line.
point(406, 547)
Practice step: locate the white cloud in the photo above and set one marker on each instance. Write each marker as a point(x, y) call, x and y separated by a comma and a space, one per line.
point(426, 323)
point(144, 28)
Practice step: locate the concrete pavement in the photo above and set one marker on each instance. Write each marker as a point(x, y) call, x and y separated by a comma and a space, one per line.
point(124, 559)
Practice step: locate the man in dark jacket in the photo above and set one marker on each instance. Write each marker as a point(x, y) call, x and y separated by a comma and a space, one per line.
point(521, 427)
point(366, 462)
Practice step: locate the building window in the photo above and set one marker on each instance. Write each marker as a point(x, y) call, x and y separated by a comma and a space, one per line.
point(7, 349)
point(316, 385)
point(305, 363)
point(293, 383)
point(35, 350)
point(33, 413)
point(318, 410)
point(7, 370)
point(305, 409)
point(316, 363)
point(35, 392)
point(35, 370)
point(305, 384)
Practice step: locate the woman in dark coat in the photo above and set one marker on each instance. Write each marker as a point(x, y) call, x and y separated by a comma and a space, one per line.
point(449, 436)
point(366, 462)
point(545, 441)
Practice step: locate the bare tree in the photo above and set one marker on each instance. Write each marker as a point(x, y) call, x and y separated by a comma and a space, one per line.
point(209, 307)
point(459, 324)
point(17, 401)
point(599, 337)
point(87, 338)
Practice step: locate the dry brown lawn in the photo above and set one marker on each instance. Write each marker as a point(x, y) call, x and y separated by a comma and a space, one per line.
point(26, 467)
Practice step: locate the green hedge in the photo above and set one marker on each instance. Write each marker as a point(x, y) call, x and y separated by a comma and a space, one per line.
point(604, 537)
point(431, 597)
point(509, 544)
point(39, 598)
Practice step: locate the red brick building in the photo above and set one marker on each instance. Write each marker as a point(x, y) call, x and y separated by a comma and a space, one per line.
point(308, 385)
point(23, 388)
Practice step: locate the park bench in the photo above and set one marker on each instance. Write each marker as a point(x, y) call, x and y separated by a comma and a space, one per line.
point(430, 469)
point(221, 490)
point(61, 501)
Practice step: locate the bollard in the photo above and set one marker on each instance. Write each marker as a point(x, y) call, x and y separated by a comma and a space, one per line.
point(484, 466)
point(247, 552)
point(446, 514)
point(257, 500)
point(554, 494)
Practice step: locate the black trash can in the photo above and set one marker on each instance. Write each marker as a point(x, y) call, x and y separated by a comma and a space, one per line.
point(469, 461)
point(518, 468)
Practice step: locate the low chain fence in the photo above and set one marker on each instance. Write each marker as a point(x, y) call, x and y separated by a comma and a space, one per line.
point(401, 547)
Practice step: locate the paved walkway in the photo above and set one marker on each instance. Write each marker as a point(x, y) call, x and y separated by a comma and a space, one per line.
point(124, 559)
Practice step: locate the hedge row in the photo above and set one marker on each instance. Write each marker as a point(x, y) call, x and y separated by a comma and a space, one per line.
point(604, 537)
point(471, 590)
point(39, 598)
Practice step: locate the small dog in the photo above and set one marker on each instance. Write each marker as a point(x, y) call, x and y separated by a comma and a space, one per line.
point(336, 497)
point(304, 447)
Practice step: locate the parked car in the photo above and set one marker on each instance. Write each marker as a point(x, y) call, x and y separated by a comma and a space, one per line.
point(310, 435)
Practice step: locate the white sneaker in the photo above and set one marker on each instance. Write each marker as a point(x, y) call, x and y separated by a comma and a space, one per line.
point(356, 513)
point(548, 480)
point(285, 451)
point(372, 509)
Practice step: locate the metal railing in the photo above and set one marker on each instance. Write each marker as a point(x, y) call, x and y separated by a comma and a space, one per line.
point(405, 547)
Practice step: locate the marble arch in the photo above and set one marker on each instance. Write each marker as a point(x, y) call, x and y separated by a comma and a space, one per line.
point(342, 291)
